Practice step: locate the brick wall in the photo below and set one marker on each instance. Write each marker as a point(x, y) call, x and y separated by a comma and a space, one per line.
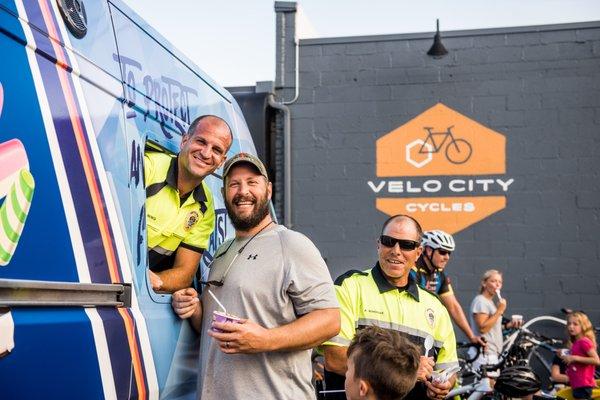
point(538, 86)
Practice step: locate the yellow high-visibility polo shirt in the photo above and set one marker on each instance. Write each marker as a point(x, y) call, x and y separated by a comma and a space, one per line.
point(171, 224)
point(367, 298)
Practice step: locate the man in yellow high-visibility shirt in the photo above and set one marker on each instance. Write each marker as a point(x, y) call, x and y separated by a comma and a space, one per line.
point(180, 214)
point(388, 296)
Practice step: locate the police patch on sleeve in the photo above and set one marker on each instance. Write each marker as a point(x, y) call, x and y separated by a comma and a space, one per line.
point(191, 220)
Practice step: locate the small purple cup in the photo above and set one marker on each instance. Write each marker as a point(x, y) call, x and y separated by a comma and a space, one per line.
point(220, 316)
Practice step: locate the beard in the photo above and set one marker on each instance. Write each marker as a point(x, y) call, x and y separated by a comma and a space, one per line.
point(258, 214)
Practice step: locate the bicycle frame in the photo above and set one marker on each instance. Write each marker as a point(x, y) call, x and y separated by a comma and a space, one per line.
point(482, 386)
point(477, 389)
point(430, 139)
point(510, 340)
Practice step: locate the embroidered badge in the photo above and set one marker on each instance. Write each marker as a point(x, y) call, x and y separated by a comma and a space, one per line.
point(430, 315)
point(191, 220)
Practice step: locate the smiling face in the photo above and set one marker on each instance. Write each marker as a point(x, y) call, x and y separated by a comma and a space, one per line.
point(395, 262)
point(205, 149)
point(247, 194)
point(438, 259)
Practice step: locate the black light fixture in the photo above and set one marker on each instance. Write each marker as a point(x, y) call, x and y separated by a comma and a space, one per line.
point(437, 50)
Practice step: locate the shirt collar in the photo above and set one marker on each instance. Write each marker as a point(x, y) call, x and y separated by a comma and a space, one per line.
point(171, 179)
point(384, 286)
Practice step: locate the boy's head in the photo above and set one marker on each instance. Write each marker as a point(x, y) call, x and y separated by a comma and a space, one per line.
point(382, 364)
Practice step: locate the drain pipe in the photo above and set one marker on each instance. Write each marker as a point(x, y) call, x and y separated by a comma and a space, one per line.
point(287, 160)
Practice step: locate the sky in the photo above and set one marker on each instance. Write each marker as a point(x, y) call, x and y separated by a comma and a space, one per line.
point(234, 40)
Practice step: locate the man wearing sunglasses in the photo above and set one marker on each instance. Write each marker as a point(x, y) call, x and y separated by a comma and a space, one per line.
point(388, 296)
point(277, 282)
point(429, 272)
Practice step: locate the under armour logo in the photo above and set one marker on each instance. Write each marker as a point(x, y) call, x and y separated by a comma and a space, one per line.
point(252, 256)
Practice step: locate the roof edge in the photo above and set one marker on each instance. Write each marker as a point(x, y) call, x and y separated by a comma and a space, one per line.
point(450, 34)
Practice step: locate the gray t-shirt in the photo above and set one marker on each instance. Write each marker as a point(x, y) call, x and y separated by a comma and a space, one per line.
point(278, 277)
point(483, 305)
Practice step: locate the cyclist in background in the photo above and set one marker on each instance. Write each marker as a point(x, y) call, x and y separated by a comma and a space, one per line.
point(429, 274)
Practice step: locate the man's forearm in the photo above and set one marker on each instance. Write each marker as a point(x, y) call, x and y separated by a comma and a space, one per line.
point(196, 319)
point(461, 320)
point(174, 279)
point(307, 331)
point(457, 314)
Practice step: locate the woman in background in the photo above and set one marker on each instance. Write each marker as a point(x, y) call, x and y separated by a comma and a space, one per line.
point(486, 316)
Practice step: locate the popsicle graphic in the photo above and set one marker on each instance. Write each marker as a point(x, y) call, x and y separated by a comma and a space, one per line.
point(17, 185)
point(7, 332)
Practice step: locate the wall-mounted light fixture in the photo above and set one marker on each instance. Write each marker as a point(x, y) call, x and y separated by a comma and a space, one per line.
point(437, 50)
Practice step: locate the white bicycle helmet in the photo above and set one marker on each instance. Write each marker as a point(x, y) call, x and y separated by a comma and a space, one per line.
point(438, 240)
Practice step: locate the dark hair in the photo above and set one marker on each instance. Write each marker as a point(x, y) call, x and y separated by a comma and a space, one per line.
point(408, 217)
point(196, 122)
point(385, 359)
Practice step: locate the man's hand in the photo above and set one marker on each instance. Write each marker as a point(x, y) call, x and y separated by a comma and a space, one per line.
point(438, 391)
point(425, 370)
point(185, 302)
point(478, 340)
point(155, 281)
point(245, 337)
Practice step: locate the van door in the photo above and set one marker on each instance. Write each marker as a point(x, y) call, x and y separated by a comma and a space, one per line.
point(65, 287)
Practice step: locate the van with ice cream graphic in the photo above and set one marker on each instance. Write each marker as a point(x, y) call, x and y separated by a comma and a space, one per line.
point(86, 87)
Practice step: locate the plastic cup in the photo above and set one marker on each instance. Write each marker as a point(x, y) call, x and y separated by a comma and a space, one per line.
point(220, 316)
point(517, 318)
point(565, 352)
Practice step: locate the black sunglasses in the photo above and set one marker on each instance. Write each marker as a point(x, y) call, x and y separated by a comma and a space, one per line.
point(404, 244)
point(444, 252)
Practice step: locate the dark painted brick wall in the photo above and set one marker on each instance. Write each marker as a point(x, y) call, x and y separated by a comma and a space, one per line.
point(540, 88)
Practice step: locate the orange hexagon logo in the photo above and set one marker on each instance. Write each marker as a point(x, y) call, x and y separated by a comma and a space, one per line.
point(458, 163)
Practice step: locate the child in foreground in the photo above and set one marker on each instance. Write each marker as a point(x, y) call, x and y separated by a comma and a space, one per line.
point(583, 357)
point(382, 365)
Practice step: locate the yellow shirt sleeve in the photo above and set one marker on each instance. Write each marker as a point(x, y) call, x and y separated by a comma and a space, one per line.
point(447, 356)
point(348, 300)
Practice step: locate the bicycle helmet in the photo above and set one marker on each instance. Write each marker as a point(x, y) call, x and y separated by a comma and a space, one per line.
point(517, 381)
point(438, 240)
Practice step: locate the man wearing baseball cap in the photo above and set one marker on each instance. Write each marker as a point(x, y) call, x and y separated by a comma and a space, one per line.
point(276, 283)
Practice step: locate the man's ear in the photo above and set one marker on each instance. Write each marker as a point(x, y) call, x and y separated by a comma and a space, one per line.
point(269, 190)
point(184, 140)
point(363, 388)
point(428, 251)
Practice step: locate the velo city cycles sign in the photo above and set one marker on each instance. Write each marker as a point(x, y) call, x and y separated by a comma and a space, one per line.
point(443, 168)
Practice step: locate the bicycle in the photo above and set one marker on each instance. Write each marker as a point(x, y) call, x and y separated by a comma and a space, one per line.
point(519, 349)
point(458, 151)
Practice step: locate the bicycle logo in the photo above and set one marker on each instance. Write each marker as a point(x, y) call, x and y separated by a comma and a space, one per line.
point(457, 150)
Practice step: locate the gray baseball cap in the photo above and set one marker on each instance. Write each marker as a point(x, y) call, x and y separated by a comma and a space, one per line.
point(248, 158)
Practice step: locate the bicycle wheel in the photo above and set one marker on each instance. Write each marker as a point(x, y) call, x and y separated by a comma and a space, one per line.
point(458, 151)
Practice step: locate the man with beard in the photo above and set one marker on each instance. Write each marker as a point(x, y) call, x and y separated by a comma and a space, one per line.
point(180, 213)
point(277, 282)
